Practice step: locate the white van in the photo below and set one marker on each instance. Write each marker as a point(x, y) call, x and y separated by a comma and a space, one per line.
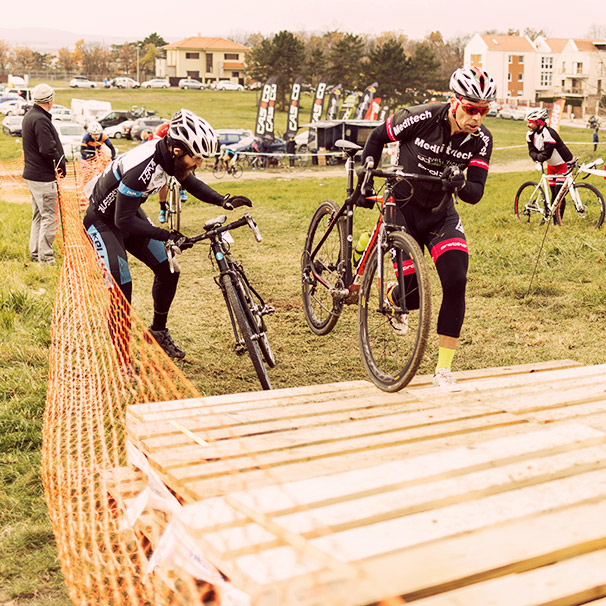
point(85, 111)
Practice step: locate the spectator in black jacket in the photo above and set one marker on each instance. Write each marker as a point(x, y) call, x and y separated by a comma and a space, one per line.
point(42, 155)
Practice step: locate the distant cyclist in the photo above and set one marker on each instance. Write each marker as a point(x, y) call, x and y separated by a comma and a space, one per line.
point(440, 139)
point(546, 145)
point(116, 223)
point(93, 140)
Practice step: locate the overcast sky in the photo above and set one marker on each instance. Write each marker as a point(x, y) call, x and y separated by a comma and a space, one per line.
point(416, 18)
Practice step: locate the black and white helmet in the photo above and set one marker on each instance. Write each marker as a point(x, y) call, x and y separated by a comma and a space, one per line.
point(537, 113)
point(195, 133)
point(473, 83)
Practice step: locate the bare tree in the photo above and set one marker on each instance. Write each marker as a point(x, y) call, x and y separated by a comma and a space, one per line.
point(6, 56)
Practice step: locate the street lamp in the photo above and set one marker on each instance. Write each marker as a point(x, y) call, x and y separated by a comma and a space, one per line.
point(138, 47)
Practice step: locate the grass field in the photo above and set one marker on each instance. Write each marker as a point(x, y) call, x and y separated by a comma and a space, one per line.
point(563, 317)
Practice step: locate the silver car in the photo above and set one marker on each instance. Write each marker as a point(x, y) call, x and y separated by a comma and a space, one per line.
point(186, 83)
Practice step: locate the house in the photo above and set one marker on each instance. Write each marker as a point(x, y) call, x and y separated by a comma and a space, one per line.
point(205, 59)
point(544, 69)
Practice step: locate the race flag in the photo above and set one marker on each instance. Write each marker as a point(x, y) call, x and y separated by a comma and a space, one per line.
point(557, 109)
point(333, 102)
point(318, 105)
point(265, 112)
point(348, 104)
point(383, 113)
point(292, 124)
point(373, 111)
point(367, 97)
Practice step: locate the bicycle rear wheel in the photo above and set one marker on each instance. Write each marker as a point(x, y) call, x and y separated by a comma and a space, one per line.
point(174, 208)
point(321, 308)
point(529, 203)
point(392, 346)
point(252, 346)
point(237, 171)
point(591, 211)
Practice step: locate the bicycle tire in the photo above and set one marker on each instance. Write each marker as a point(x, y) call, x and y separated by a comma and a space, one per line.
point(322, 309)
point(390, 359)
point(593, 207)
point(529, 203)
point(174, 208)
point(237, 172)
point(218, 172)
point(252, 346)
point(261, 328)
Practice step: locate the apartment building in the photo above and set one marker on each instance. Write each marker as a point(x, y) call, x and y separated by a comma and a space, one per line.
point(544, 69)
point(205, 59)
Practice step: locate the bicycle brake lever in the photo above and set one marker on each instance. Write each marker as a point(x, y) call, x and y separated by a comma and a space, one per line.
point(254, 227)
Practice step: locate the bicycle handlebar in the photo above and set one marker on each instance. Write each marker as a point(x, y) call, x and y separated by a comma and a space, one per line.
point(397, 173)
point(214, 227)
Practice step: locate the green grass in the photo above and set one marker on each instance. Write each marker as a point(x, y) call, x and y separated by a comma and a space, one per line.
point(563, 317)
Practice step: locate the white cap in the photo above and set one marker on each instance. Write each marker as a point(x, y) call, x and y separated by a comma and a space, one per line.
point(43, 93)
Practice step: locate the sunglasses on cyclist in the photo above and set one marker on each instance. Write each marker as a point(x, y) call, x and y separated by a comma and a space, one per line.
point(473, 110)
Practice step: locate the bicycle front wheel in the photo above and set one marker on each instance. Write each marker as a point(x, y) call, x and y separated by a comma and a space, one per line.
point(393, 334)
point(218, 172)
point(174, 209)
point(529, 203)
point(324, 273)
point(588, 209)
point(252, 346)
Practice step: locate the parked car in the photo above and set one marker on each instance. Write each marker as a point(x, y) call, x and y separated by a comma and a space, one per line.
point(81, 82)
point(60, 112)
point(142, 127)
point(70, 135)
point(228, 85)
point(119, 131)
point(494, 110)
point(306, 140)
point(512, 113)
point(274, 146)
point(156, 83)
point(113, 117)
point(12, 105)
point(186, 83)
point(124, 82)
point(229, 136)
point(11, 124)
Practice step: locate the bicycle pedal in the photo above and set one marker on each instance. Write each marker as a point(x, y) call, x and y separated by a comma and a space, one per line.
point(352, 297)
point(267, 309)
point(240, 350)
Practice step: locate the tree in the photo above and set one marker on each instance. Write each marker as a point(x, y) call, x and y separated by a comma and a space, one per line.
point(345, 61)
point(96, 59)
point(388, 65)
point(424, 68)
point(148, 56)
point(282, 56)
point(449, 55)
point(78, 55)
point(65, 59)
point(24, 59)
point(6, 56)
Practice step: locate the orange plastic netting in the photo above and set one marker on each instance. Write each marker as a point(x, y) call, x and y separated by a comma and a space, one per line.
point(101, 362)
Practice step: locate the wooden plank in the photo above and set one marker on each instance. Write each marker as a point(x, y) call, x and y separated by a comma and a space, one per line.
point(575, 581)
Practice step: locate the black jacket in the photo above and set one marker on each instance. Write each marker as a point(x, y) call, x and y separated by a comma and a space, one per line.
point(42, 149)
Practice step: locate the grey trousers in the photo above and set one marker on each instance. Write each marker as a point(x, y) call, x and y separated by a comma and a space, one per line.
point(42, 235)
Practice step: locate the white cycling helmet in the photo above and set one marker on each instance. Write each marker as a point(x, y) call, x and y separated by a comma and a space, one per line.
point(94, 128)
point(537, 113)
point(195, 133)
point(473, 83)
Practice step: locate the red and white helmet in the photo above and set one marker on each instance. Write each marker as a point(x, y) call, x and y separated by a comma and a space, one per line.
point(195, 133)
point(537, 113)
point(473, 83)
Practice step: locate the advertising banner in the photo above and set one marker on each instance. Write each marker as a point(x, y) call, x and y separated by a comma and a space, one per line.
point(367, 97)
point(318, 105)
point(333, 103)
point(373, 111)
point(348, 104)
point(292, 124)
point(555, 116)
point(266, 110)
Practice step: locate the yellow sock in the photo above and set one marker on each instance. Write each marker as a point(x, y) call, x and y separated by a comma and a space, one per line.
point(445, 356)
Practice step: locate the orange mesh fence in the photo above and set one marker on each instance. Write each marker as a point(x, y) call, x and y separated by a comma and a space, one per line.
point(12, 186)
point(123, 537)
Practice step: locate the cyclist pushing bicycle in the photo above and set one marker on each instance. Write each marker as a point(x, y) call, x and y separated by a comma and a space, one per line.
point(546, 145)
point(440, 140)
point(116, 223)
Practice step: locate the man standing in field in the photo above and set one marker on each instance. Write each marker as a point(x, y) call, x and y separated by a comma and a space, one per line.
point(42, 155)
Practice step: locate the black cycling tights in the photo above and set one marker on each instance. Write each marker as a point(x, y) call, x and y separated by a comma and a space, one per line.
point(452, 270)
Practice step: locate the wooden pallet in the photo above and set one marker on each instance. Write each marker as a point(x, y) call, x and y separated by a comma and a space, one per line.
point(342, 494)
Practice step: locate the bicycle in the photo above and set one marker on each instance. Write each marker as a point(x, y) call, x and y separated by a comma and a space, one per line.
point(330, 281)
point(221, 168)
point(534, 199)
point(245, 306)
point(173, 202)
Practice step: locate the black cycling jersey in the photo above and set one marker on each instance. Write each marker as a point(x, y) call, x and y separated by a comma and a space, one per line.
point(426, 146)
point(118, 192)
point(546, 145)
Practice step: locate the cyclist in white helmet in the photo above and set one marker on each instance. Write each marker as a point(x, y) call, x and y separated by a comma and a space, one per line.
point(116, 223)
point(441, 139)
point(546, 145)
point(93, 140)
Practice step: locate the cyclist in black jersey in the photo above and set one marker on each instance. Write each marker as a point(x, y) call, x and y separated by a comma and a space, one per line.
point(441, 139)
point(117, 224)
